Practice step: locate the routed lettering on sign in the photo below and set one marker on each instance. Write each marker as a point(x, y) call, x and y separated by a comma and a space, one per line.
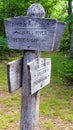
point(39, 72)
point(31, 33)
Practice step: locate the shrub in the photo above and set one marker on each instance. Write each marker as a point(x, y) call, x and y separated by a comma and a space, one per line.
point(67, 72)
point(65, 42)
point(5, 52)
point(3, 48)
point(3, 45)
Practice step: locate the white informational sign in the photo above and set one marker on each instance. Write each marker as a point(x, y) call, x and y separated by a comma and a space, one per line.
point(39, 72)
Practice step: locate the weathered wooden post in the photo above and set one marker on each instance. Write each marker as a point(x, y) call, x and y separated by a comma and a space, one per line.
point(32, 33)
point(30, 103)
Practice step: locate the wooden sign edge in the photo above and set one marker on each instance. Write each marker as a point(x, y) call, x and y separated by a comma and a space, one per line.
point(29, 74)
point(31, 47)
point(8, 75)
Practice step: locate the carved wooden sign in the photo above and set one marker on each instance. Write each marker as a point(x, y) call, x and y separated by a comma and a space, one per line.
point(39, 72)
point(31, 32)
point(28, 33)
point(14, 71)
point(59, 33)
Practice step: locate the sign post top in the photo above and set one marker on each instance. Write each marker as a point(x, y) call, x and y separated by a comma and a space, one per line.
point(34, 31)
point(36, 10)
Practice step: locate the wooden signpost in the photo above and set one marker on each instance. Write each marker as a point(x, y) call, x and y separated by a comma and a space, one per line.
point(14, 74)
point(39, 72)
point(32, 33)
point(59, 33)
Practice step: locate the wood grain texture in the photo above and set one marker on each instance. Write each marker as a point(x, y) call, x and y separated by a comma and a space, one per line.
point(14, 74)
point(39, 72)
point(59, 33)
point(27, 33)
point(30, 103)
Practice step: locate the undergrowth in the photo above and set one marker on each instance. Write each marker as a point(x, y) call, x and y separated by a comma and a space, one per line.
point(56, 100)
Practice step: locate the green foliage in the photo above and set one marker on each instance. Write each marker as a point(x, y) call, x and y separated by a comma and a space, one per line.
point(65, 69)
point(62, 68)
point(65, 42)
point(54, 8)
point(3, 43)
point(5, 52)
point(56, 99)
point(67, 72)
point(1, 24)
point(3, 46)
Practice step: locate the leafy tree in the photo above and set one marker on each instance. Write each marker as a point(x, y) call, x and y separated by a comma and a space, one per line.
point(11, 8)
point(70, 21)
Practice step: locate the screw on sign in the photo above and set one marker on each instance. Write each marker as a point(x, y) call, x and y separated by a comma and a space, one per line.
point(32, 33)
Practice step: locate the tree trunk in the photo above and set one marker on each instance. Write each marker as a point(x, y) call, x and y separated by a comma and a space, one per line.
point(70, 27)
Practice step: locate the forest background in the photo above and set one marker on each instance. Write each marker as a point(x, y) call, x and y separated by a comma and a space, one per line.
point(56, 99)
point(59, 9)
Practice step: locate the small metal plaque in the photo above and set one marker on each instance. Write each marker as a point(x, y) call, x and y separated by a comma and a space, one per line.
point(26, 33)
point(14, 71)
point(39, 72)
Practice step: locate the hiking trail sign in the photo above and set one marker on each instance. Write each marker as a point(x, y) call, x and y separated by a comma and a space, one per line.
point(14, 74)
point(39, 72)
point(32, 33)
